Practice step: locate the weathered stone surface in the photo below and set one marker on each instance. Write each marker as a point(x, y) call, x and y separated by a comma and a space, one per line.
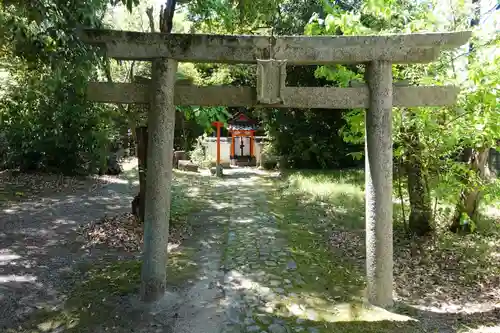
point(271, 77)
point(294, 97)
point(217, 171)
point(187, 165)
point(405, 48)
point(249, 321)
point(378, 178)
point(291, 265)
point(161, 124)
point(253, 328)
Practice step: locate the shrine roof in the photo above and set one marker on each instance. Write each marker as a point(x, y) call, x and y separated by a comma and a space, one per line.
point(241, 118)
point(241, 122)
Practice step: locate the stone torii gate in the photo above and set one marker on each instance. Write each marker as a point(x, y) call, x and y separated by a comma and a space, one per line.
point(272, 54)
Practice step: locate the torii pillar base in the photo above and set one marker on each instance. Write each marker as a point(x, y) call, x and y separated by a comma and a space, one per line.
point(219, 170)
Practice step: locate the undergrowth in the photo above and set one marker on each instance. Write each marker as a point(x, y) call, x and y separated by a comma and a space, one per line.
point(322, 214)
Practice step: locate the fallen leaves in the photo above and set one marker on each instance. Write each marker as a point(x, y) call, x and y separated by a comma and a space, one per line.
point(121, 232)
point(21, 186)
point(125, 232)
point(441, 271)
point(348, 243)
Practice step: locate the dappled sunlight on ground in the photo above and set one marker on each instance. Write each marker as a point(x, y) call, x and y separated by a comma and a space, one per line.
point(263, 252)
point(41, 255)
point(450, 281)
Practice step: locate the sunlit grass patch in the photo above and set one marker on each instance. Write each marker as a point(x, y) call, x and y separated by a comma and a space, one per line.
point(329, 195)
point(445, 270)
point(326, 186)
point(329, 280)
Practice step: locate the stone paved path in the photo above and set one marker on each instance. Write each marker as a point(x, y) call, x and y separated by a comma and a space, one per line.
point(260, 271)
point(248, 280)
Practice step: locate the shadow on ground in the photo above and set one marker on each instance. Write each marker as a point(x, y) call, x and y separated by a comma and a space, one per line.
point(447, 283)
point(48, 281)
point(37, 235)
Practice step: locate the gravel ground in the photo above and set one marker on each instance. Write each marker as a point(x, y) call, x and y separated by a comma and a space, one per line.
point(38, 234)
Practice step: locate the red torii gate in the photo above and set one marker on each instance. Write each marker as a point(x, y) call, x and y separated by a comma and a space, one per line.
point(218, 125)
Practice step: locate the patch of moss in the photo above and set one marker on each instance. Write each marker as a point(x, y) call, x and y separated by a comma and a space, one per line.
point(333, 285)
point(94, 301)
point(181, 267)
point(324, 274)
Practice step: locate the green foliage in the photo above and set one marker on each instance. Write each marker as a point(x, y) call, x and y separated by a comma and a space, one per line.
point(233, 16)
point(197, 154)
point(307, 138)
point(481, 105)
point(127, 3)
point(45, 119)
point(303, 138)
point(50, 126)
point(444, 132)
point(467, 223)
point(204, 116)
point(269, 156)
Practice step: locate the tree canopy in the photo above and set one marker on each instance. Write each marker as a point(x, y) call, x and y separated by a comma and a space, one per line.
point(51, 116)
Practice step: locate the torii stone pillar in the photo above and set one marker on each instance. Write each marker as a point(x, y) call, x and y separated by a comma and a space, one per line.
point(161, 124)
point(378, 184)
point(378, 97)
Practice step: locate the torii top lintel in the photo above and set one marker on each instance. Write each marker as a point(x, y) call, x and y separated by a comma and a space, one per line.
point(305, 50)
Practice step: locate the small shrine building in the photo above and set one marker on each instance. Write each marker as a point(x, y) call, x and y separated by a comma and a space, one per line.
point(241, 147)
point(242, 130)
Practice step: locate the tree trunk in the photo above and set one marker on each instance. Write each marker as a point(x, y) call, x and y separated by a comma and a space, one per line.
point(138, 203)
point(420, 201)
point(470, 197)
point(420, 220)
point(141, 140)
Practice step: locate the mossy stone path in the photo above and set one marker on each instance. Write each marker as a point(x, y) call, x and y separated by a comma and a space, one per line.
point(261, 274)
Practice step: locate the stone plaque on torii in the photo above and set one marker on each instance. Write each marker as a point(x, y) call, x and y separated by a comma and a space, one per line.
point(379, 95)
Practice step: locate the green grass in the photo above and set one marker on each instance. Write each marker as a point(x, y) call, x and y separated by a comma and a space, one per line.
point(310, 205)
point(333, 285)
